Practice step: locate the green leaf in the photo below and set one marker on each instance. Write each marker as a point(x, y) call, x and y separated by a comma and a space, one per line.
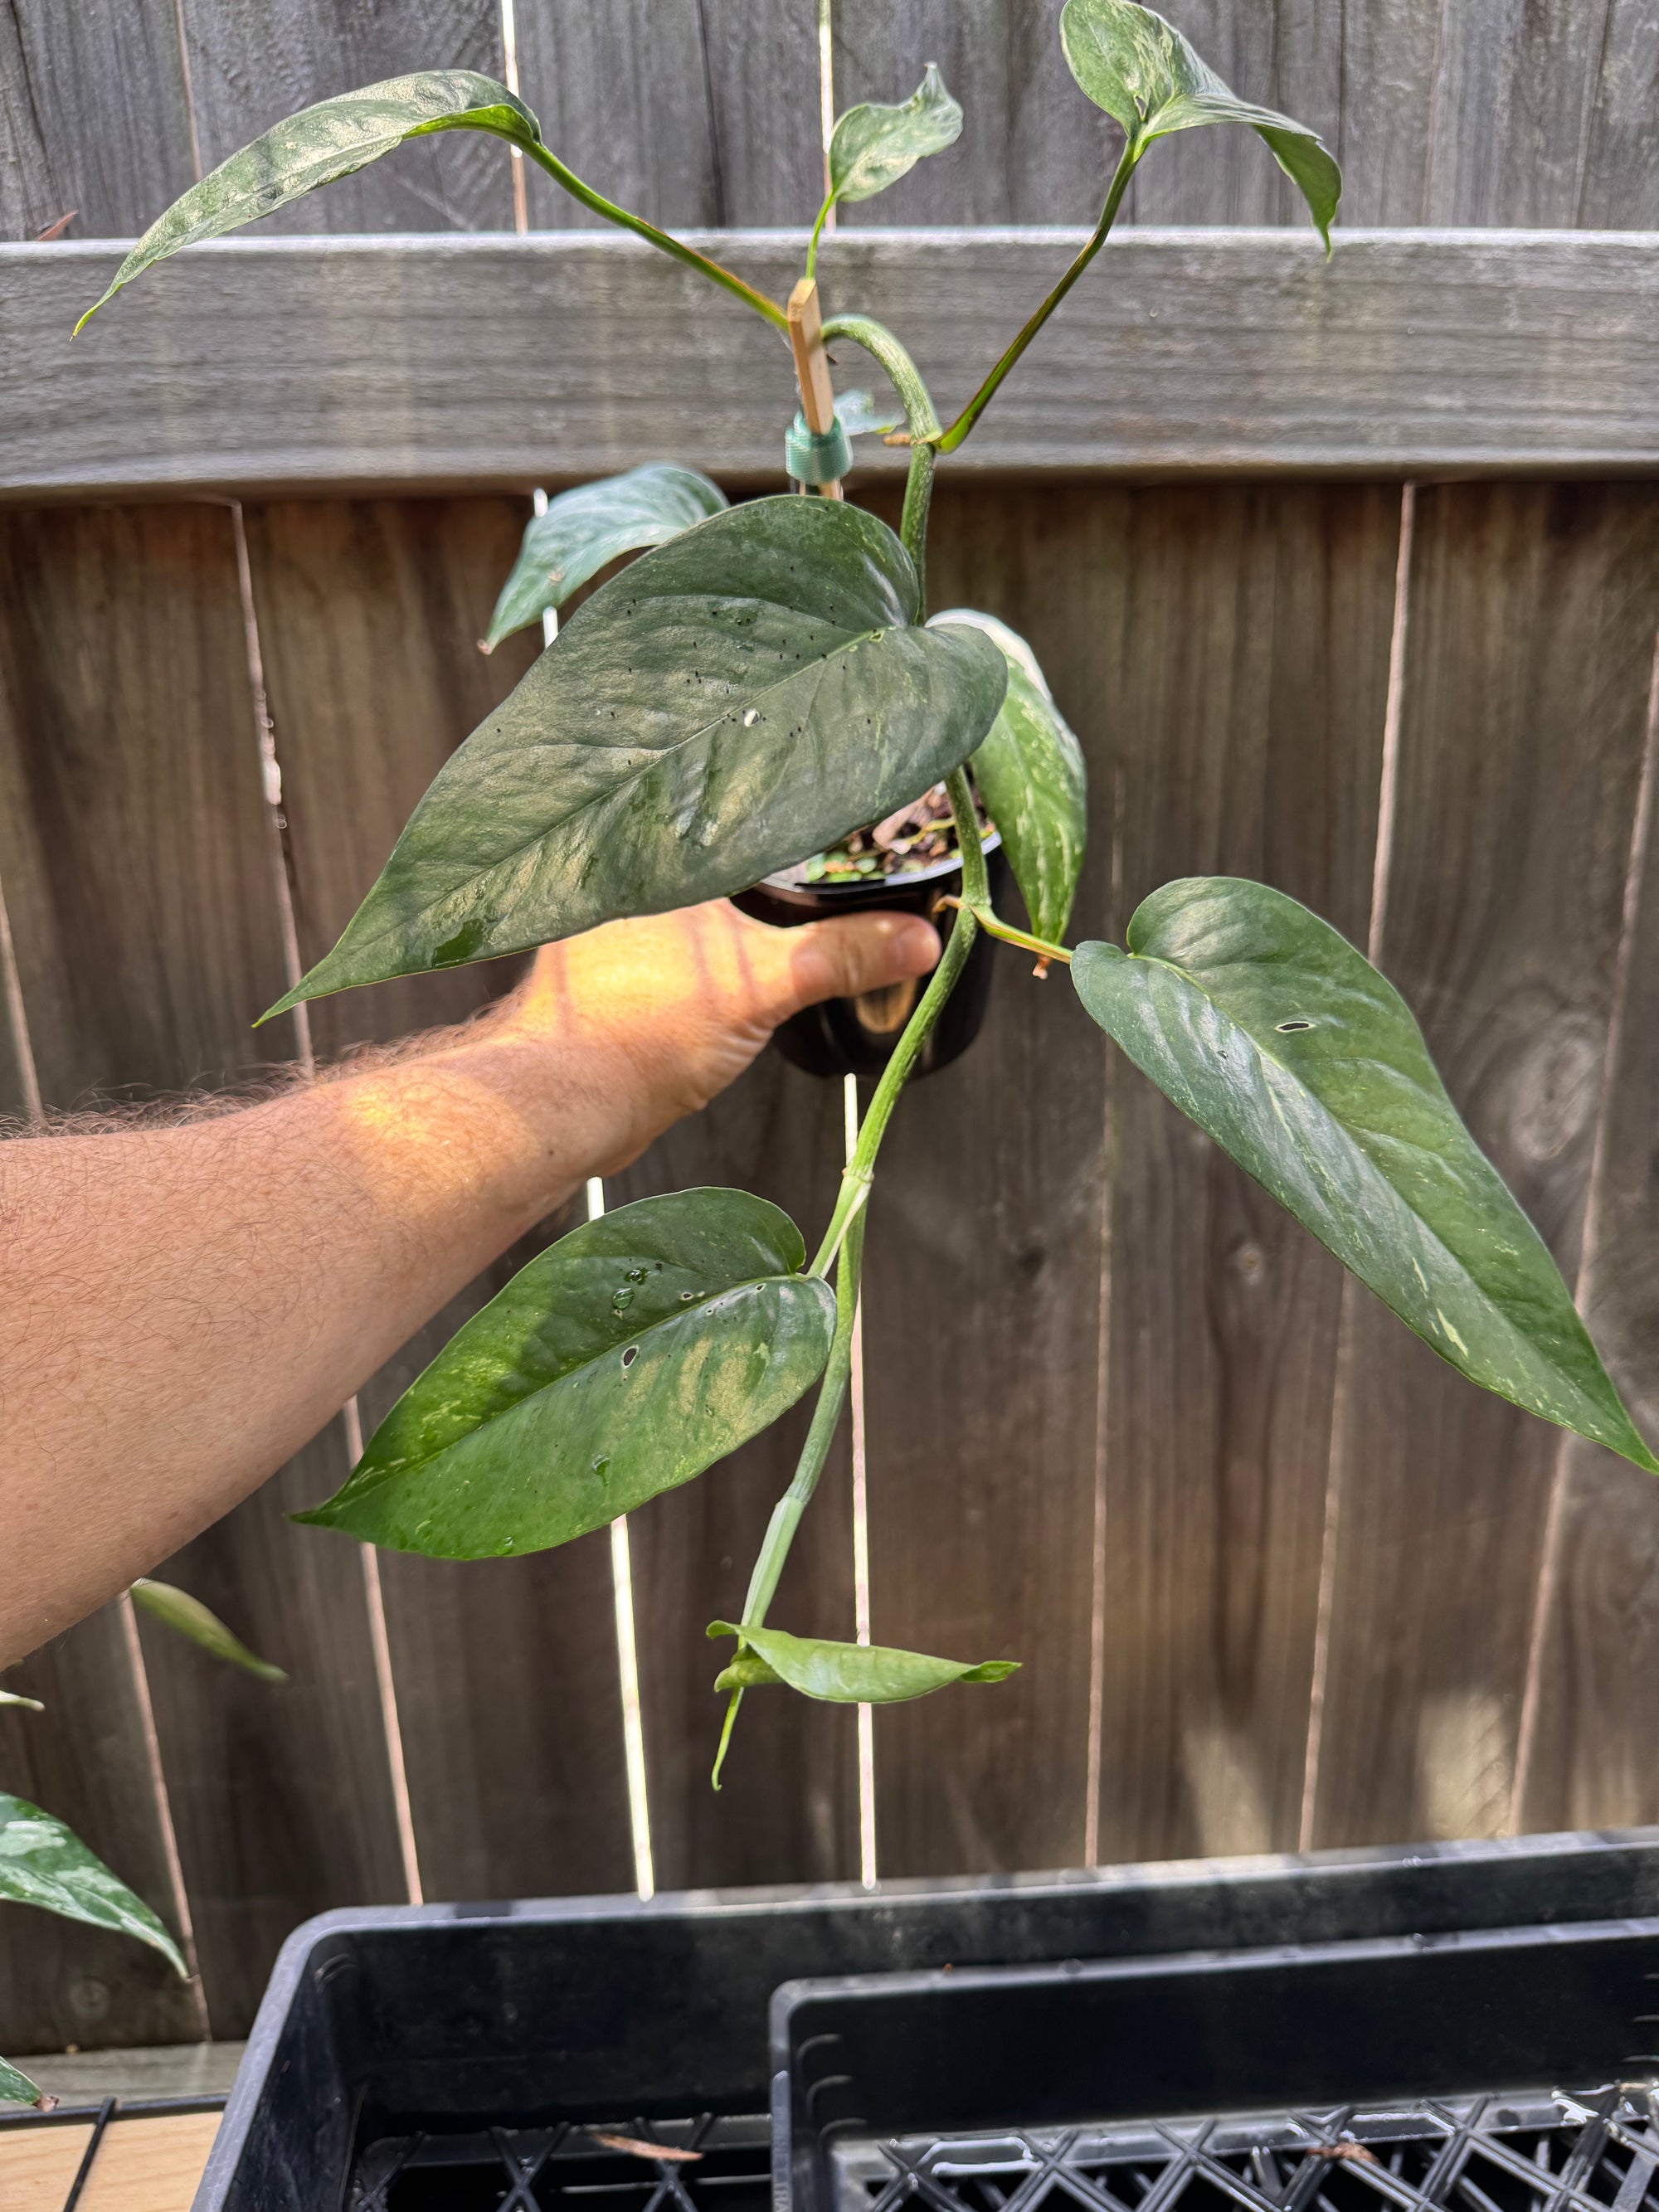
point(191, 1618)
point(1271, 1032)
point(321, 143)
point(872, 146)
point(1144, 74)
point(623, 1361)
point(1030, 774)
point(596, 523)
point(13, 1698)
point(860, 417)
point(735, 700)
point(16, 2088)
point(845, 1673)
point(42, 1863)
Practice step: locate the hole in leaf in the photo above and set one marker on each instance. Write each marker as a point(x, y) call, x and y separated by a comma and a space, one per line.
point(1299, 1023)
point(630, 1355)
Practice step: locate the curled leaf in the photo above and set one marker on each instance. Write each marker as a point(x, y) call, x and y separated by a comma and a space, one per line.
point(1030, 774)
point(1268, 1029)
point(591, 525)
point(320, 143)
point(187, 1616)
point(1149, 79)
point(43, 1862)
point(622, 1362)
point(845, 1673)
point(873, 145)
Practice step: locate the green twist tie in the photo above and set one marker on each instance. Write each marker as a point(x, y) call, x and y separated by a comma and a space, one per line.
point(817, 457)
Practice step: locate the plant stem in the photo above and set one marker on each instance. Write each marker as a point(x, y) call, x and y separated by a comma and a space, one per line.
point(919, 414)
point(573, 183)
point(817, 233)
point(994, 927)
point(948, 441)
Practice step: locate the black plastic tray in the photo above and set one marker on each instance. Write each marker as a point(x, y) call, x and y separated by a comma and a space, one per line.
point(441, 2033)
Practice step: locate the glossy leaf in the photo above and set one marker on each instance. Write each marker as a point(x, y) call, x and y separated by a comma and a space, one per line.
point(735, 700)
point(1030, 774)
point(14, 1698)
point(1271, 1032)
point(873, 145)
point(845, 1673)
point(188, 1617)
point(597, 523)
point(16, 2088)
point(861, 415)
point(1146, 76)
point(42, 1863)
point(623, 1361)
point(321, 143)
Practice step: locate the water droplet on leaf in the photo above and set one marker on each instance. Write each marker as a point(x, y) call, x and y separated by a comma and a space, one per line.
point(621, 1301)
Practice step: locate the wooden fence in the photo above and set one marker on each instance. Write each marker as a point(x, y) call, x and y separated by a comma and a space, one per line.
point(1279, 1579)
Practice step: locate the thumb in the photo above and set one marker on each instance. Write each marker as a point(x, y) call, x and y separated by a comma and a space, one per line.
point(857, 952)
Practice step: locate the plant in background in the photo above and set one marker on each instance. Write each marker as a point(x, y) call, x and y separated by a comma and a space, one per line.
point(755, 690)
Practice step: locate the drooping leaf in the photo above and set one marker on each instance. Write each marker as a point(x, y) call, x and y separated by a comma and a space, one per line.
point(188, 1617)
point(1030, 774)
point(16, 2088)
point(1272, 1033)
point(597, 523)
point(1146, 76)
point(624, 1360)
point(321, 143)
point(861, 416)
point(737, 699)
point(845, 1673)
point(14, 1697)
point(42, 1862)
point(873, 145)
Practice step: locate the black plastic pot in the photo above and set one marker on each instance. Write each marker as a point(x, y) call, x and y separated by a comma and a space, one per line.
point(424, 2056)
point(856, 1037)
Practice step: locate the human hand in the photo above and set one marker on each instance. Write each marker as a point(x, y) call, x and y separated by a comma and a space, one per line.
point(647, 1019)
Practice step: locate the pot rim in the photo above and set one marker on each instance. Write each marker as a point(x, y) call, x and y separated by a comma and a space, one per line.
point(847, 887)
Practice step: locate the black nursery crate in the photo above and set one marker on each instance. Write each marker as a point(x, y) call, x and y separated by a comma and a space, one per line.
point(517, 2058)
point(1499, 2070)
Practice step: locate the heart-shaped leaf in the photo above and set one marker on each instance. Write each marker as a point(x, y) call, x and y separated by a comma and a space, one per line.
point(13, 1698)
point(1144, 74)
point(16, 2088)
point(621, 1362)
point(860, 417)
point(1271, 1032)
point(321, 143)
point(596, 523)
point(42, 1862)
point(188, 1617)
point(736, 699)
point(845, 1673)
point(1030, 774)
point(872, 146)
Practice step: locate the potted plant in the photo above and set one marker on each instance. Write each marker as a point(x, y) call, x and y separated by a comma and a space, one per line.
point(761, 690)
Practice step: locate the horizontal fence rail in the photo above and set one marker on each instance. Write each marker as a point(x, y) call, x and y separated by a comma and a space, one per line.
point(413, 362)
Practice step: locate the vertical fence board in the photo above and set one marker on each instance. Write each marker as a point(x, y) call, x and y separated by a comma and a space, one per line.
point(506, 1671)
point(1250, 698)
point(1390, 51)
point(1513, 110)
point(250, 67)
point(138, 866)
point(1532, 621)
point(94, 116)
point(1619, 189)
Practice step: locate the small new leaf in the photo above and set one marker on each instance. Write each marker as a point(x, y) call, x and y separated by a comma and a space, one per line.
point(1144, 74)
point(42, 1862)
point(735, 700)
point(187, 1616)
point(319, 144)
point(622, 1362)
point(16, 2088)
point(845, 1673)
point(1270, 1032)
point(872, 146)
point(1031, 773)
point(597, 523)
point(14, 1697)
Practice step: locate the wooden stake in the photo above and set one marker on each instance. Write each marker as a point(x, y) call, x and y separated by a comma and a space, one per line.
point(818, 400)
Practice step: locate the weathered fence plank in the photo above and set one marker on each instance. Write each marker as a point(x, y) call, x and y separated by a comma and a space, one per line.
point(138, 862)
point(1619, 186)
point(1249, 694)
point(95, 116)
point(506, 1671)
point(250, 67)
point(1532, 619)
point(405, 362)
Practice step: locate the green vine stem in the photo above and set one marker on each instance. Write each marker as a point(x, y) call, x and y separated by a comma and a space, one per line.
point(948, 441)
point(573, 183)
point(994, 927)
point(921, 417)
